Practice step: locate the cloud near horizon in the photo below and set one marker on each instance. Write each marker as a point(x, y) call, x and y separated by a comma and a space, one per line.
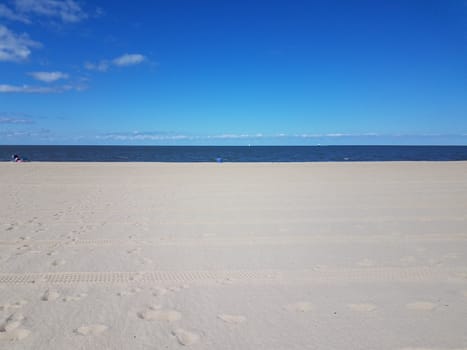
point(27, 89)
point(15, 134)
point(160, 135)
point(142, 136)
point(8, 118)
point(258, 139)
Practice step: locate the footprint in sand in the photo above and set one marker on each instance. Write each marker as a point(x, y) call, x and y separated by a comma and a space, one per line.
point(15, 305)
point(137, 276)
point(30, 221)
point(12, 322)
point(232, 319)
point(58, 262)
point(50, 295)
point(185, 337)
point(159, 291)
point(10, 228)
point(154, 313)
point(93, 329)
point(10, 328)
point(74, 297)
point(226, 281)
point(301, 306)
point(132, 291)
point(362, 307)
point(144, 261)
point(421, 306)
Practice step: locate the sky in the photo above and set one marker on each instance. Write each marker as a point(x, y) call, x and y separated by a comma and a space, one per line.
point(244, 72)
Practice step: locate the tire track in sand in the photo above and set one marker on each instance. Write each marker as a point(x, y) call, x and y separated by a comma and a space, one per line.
point(313, 276)
point(213, 240)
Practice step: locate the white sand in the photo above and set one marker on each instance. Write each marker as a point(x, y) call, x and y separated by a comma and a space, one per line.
point(233, 256)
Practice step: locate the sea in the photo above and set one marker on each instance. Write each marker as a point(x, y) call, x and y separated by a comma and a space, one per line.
point(233, 153)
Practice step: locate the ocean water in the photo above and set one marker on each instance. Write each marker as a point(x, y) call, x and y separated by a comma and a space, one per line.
point(234, 153)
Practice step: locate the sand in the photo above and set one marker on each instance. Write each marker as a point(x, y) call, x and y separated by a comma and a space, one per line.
point(233, 256)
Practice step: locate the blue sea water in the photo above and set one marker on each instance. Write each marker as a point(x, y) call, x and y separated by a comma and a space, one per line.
point(234, 153)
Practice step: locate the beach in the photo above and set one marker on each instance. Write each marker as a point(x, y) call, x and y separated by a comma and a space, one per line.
point(348, 255)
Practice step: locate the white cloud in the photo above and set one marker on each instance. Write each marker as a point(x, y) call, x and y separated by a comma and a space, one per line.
point(15, 47)
point(121, 61)
point(141, 136)
point(48, 77)
point(26, 89)
point(332, 134)
point(161, 136)
point(336, 134)
point(41, 133)
point(7, 13)
point(299, 139)
point(101, 66)
point(67, 10)
point(128, 60)
point(6, 118)
point(234, 136)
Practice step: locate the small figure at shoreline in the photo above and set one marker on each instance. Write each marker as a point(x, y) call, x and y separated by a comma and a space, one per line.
point(16, 158)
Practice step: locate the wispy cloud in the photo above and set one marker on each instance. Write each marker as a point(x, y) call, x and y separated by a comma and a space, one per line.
point(331, 135)
point(68, 11)
point(16, 119)
point(234, 136)
point(41, 134)
point(9, 14)
point(128, 60)
point(284, 139)
point(15, 47)
point(226, 137)
point(48, 77)
point(121, 61)
point(27, 89)
point(167, 136)
point(171, 136)
point(142, 136)
point(101, 66)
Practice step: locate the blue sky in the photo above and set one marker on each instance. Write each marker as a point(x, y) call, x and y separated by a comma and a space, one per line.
point(175, 72)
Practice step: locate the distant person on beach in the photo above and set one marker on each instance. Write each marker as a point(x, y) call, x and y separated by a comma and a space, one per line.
point(16, 158)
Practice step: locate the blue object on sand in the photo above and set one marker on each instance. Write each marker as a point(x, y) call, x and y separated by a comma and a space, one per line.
point(219, 159)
